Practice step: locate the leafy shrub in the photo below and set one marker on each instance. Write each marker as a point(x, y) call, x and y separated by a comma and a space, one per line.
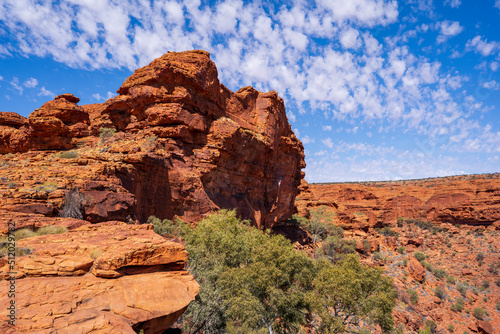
point(419, 256)
point(458, 306)
point(427, 266)
point(401, 250)
point(400, 221)
point(462, 289)
point(413, 296)
point(388, 232)
point(439, 273)
point(451, 328)
point(439, 292)
point(450, 279)
point(164, 227)
point(479, 313)
point(253, 282)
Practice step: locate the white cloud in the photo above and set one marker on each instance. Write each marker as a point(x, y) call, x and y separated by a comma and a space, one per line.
point(491, 85)
point(366, 12)
point(15, 84)
point(327, 128)
point(45, 92)
point(349, 39)
point(448, 29)
point(328, 142)
point(497, 4)
point(30, 83)
point(1, 78)
point(481, 46)
point(307, 140)
point(454, 3)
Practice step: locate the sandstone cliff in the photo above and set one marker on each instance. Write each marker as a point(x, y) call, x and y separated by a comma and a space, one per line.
point(174, 142)
point(471, 200)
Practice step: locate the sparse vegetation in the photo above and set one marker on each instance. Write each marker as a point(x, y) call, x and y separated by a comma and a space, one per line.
point(458, 306)
point(413, 296)
point(47, 187)
point(401, 250)
point(253, 282)
point(450, 279)
point(106, 133)
point(95, 252)
point(27, 233)
point(439, 292)
point(479, 313)
point(419, 256)
point(68, 155)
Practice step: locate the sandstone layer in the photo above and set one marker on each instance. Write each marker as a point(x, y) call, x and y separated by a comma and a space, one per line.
point(174, 143)
point(469, 200)
point(102, 278)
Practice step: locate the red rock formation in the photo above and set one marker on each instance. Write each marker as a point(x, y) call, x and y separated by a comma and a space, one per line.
point(184, 146)
point(472, 200)
point(64, 284)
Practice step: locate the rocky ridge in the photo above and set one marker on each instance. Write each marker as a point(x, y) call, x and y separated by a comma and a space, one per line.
point(463, 200)
point(175, 143)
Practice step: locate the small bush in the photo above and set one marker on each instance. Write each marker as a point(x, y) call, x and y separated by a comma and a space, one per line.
point(388, 232)
point(106, 133)
point(427, 266)
point(439, 292)
point(366, 246)
point(462, 289)
point(451, 328)
point(11, 185)
point(47, 187)
point(419, 256)
point(401, 250)
point(480, 257)
point(440, 273)
point(68, 155)
point(400, 221)
point(450, 279)
point(458, 306)
point(479, 313)
point(413, 296)
point(164, 227)
point(485, 284)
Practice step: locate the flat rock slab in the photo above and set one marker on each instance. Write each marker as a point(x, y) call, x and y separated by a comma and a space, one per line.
point(89, 304)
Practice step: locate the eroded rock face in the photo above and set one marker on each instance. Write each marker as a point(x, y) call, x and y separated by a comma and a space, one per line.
point(184, 146)
point(65, 285)
point(469, 200)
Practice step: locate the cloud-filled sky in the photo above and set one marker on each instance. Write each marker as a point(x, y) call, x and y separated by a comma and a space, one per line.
point(375, 89)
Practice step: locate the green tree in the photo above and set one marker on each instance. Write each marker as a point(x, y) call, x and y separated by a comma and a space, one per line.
point(319, 224)
point(347, 292)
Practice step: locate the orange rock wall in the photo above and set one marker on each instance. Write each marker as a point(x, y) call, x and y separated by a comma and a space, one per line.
point(472, 200)
point(184, 146)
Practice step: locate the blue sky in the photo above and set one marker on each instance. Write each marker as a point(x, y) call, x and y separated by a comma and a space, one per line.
point(375, 89)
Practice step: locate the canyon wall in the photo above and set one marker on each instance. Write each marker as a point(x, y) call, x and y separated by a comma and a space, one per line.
point(471, 200)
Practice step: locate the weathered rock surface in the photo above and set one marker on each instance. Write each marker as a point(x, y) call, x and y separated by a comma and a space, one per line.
point(64, 285)
point(184, 146)
point(471, 200)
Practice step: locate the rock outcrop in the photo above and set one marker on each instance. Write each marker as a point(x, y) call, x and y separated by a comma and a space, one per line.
point(102, 278)
point(470, 200)
point(174, 143)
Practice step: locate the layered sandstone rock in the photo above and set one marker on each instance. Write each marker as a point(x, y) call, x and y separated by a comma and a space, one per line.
point(65, 284)
point(470, 200)
point(184, 146)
